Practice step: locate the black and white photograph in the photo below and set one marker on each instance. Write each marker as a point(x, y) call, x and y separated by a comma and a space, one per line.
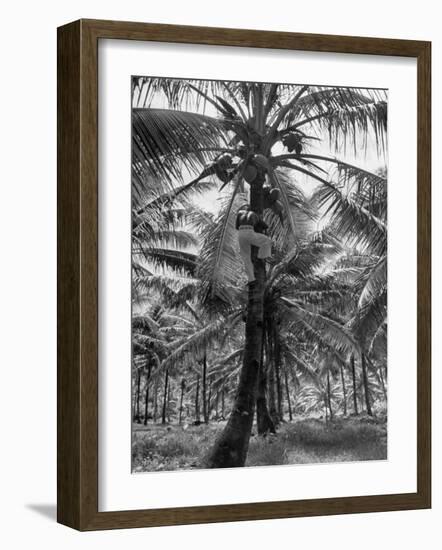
point(259, 274)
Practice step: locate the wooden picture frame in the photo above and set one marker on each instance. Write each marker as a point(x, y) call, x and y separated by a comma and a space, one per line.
point(78, 274)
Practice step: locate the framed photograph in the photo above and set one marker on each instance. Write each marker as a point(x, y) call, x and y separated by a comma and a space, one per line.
point(243, 275)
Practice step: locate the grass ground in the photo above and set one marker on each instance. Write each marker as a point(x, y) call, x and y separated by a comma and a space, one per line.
point(157, 447)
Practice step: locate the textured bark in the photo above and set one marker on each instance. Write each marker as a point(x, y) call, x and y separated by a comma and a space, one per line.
point(366, 385)
point(155, 400)
point(271, 392)
point(344, 390)
point(278, 376)
point(204, 391)
point(216, 405)
point(137, 417)
point(384, 389)
point(231, 448)
point(209, 402)
point(287, 392)
point(329, 395)
point(169, 392)
point(197, 403)
point(166, 383)
point(263, 419)
point(146, 395)
point(353, 374)
point(182, 387)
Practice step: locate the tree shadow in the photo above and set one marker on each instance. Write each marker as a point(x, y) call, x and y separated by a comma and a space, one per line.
point(48, 511)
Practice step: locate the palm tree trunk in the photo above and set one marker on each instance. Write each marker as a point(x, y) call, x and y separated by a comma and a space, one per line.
point(204, 390)
point(146, 396)
point(182, 386)
point(216, 405)
point(272, 395)
point(197, 403)
point(137, 417)
point(365, 382)
point(344, 390)
point(263, 419)
point(278, 377)
point(353, 374)
point(231, 448)
point(384, 389)
point(166, 381)
point(378, 375)
point(155, 400)
point(271, 381)
point(287, 392)
point(209, 401)
point(329, 395)
point(168, 404)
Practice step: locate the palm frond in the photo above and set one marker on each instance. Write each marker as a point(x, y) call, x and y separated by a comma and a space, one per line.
point(370, 317)
point(160, 257)
point(333, 333)
point(169, 143)
point(351, 221)
point(373, 282)
point(219, 261)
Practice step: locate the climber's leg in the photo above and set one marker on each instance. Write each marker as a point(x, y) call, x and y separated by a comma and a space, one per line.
point(265, 249)
point(264, 243)
point(246, 253)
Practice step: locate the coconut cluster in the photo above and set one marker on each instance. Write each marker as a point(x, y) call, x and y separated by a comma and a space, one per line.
point(254, 173)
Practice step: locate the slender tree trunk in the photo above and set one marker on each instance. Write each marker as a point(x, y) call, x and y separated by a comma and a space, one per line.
point(263, 419)
point(231, 448)
point(182, 387)
point(384, 389)
point(204, 390)
point(146, 396)
point(272, 394)
point(222, 404)
point(217, 405)
point(166, 382)
point(278, 378)
point(366, 385)
point(168, 404)
point(209, 403)
point(295, 386)
point(197, 402)
point(353, 374)
point(379, 377)
point(155, 400)
point(137, 416)
point(329, 395)
point(287, 392)
point(344, 390)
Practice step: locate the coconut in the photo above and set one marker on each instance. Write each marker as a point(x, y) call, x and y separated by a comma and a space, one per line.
point(274, 194)
point(261, 161)
point(293, 142)
point(224, 161)
point(222, 174)
point(250, 173)
point(277, 207)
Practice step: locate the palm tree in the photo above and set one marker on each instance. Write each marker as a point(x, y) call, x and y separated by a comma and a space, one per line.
point(358, 215)
point(244, 141)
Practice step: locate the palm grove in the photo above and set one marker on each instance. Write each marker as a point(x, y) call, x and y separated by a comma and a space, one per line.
point(308, 337)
